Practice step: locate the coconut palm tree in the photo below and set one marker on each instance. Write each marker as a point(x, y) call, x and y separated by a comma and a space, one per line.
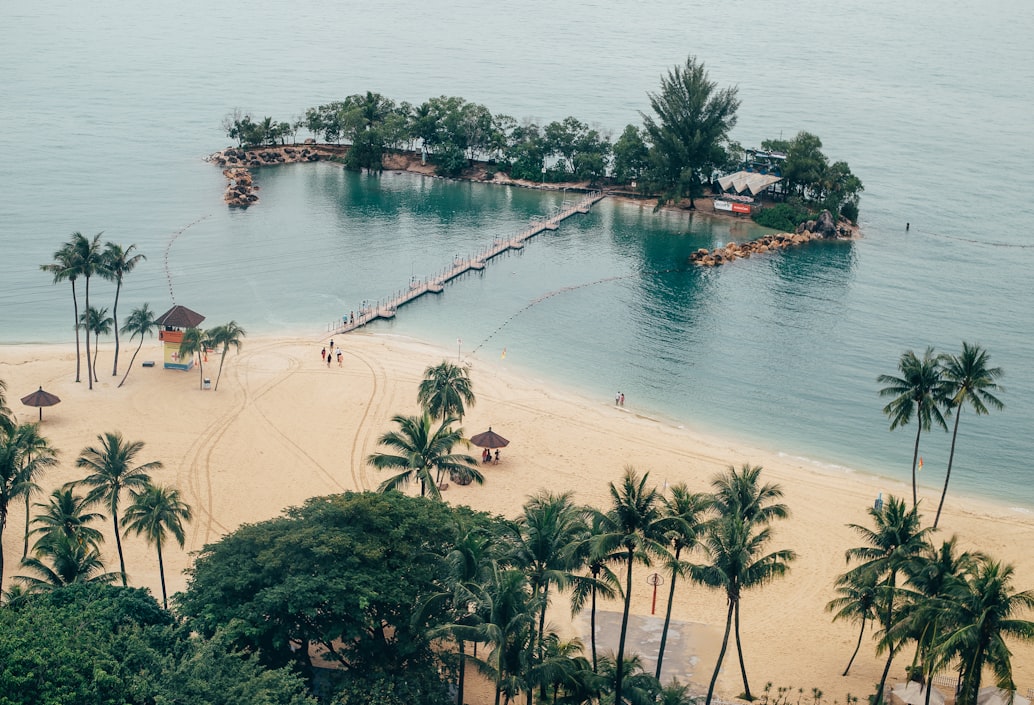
point(968, 380)
point(118, 262)
point(685, 524)
point(66, 513)
point(896, 541)
point(98, 322)
point(157, 512)
point(229, 335)
point(734, 543)
point(111, 472)
point(196, 342)
point(632, 531)
point(445, 389)
point(858, 601)
point(12, 455)
point(986, 615)
point(545, 538)
point(6, 417)
point(37, 456)
point(600, 582)
point(65, 268)
point(88, 261)
point(69, 562)
point(917, 392)
point(509, 614)
point(140, 322)
point(423, 454)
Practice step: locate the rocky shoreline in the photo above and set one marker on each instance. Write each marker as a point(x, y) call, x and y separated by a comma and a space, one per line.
point(823, 228)
point(240, 189)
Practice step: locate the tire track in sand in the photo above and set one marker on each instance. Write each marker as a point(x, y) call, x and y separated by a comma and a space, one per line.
point(375, 403)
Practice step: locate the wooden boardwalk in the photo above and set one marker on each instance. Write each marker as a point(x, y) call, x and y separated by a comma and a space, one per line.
point(386, 308)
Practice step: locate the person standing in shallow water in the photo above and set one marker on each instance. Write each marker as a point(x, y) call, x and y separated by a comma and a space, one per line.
point(622, 402)
point(617, 398)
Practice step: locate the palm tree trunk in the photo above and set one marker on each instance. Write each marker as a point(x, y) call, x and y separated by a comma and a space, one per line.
point(75, 309)
point(883, 679)
point(620, 664)
point(161, 574)
point(856, 647)
point(592, 628)
point(721, 655)
point(132, 360)
point(219, 374)
point(951, 457)
point(200, 371)
point(915, 459)
point(96, 350)
point(89, 369)
point(462, 675)
point(3, 523)
point(667, 618)
point(114, 318)
point(739, 652)
point(25, 547)
point(118, 544)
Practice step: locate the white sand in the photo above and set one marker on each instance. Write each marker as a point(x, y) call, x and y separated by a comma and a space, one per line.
point(284, 427)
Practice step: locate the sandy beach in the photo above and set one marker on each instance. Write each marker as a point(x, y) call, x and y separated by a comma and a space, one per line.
point(283, 426)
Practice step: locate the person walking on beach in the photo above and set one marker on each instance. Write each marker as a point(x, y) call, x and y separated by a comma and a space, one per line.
point(617, 398)
point(330, 356)
point(323, 354)
point(622, 402)
point(339, 357)
point(496, 456)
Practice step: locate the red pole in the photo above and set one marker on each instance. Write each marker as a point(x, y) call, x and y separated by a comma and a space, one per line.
point(653, 607)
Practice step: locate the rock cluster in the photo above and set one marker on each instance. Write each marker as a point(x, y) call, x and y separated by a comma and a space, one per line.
point(823, 228)
point(240, 192)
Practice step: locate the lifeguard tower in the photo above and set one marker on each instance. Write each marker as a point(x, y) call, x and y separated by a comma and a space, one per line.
point(173, 322)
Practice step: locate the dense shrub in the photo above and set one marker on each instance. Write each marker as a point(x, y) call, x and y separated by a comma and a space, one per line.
point(784, 217)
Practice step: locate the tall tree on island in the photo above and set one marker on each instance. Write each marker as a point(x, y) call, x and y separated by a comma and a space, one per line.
point(118, 262)
point(968, 379)
point(689, 133)
point(917, 392)
point(65, 268)
point(229, 335)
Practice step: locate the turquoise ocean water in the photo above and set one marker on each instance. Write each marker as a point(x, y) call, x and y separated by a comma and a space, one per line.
point(106, 113)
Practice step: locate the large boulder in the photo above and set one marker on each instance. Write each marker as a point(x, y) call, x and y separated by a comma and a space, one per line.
point(825, 225)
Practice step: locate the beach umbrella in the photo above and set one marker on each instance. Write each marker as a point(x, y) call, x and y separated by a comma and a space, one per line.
point(912, 693)
point(489, 439)
point(990, 695)
point(40, 398)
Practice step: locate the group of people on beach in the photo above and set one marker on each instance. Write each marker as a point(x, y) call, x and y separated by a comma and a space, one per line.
point(486, 456)
point(329, 355)
point(619, 399)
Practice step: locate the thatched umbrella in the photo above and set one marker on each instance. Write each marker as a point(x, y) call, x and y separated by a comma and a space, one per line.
point(40, 398)
point(489, 439)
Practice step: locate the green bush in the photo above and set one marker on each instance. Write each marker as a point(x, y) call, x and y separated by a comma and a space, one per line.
point(783, 216)
point(850, 211)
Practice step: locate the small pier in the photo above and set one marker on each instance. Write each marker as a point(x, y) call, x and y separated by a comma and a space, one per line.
point(386, 308)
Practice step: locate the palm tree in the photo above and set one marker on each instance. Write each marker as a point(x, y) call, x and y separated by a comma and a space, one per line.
point(66, 513)
point(918, 392)
point(70, 562)
point(229, 335)
point(896, 542)
point(37, 456)
point(632, 531)
point(601, 580)
point(986, 616)
point(12, 454)
point(196, 342)
point(421, 452)
point(6, 417)
point(684, 512)
point(139, 323)
point(65, 267)
point(734, 543)
point(118, 262)
point(857, 601)
point(445, 389)
point(509, 614)
point(156, 512)
point(967, 380)
point(545, 539)
point(112, 471)
point(88, 262)
point(98, 322)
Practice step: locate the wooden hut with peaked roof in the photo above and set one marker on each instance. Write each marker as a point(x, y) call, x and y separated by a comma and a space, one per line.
point(173, 322)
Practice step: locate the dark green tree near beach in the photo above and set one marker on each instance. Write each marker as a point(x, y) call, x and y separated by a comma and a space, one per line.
point(97, 321)
point(63, 561)
point(423, 454)
point(446, 390)
point(158, 512)
point(118, 262)
point(918, 393)
point(734, 544)
point(112, 469)
point(631, 156)
point(631, 532)
point(139, 323)
point(858, 602)
point(896, 540)
point(226, 336)
point(89, 262)
point(601, 581)
point(6, 418)
point(37, 456)
point(14, 460)
point(968, 380)
point(195, 345)
point(688, 131)
point(65, 267)
point(66, 514)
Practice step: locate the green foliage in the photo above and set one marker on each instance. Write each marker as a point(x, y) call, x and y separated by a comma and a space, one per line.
point(417, 687)
point(631, 155)
point(784, 217)
point(101, 644)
